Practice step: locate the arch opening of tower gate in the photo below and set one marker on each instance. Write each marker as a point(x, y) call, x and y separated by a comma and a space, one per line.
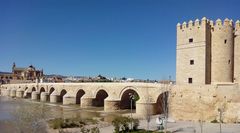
point(162, 103)
point(99, 100)
point(126, 97)
point(62, 93)
point(79, 94)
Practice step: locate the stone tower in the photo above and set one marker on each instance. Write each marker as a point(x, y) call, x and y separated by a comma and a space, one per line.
point(208, 52)
point(222, 51)
point(193, 52)
point(237, 52)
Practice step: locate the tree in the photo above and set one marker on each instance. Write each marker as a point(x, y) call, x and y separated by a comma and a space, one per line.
point(164, 101)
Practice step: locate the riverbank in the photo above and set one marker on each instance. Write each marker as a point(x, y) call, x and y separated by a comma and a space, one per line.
point(17, 113)
point(8, 123)
point(184, 127)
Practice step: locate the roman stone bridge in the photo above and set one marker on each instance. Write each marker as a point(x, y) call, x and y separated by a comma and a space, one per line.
point(112, 96)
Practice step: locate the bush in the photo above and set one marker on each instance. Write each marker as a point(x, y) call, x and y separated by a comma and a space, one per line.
point(116, 123)
point(121, 124)
point(125, 121)
point(65, 123)
point(95, 130)
point(56, 123)
point(135, 124)
point(214, 121)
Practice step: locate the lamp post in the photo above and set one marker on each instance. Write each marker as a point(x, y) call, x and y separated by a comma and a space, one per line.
point(220, 110)
point(201, 121)
point(131, 96)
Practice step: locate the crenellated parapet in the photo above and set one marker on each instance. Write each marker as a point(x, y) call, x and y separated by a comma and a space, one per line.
point(191, 24)
point(221, 26)
point(218, 23)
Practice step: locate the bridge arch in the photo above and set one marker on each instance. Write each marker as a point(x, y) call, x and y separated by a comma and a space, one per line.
point(28, 91)
point(33, 89)
point(125, 98)
point(98, 101)
point(79, 95)
point(62, 93)
point(51, 90)
point(162, 102)
point(42, 90)
point(126, 88)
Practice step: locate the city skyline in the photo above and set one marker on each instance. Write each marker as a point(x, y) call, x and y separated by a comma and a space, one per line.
point(113, 38)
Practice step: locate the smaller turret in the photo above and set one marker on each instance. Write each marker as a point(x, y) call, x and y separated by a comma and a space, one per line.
point(222, 42)
point(237, 52)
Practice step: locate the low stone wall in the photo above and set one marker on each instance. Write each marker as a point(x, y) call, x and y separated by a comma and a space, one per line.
point(196, 103)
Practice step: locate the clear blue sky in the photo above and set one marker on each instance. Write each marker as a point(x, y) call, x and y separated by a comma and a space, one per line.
point(115, 38)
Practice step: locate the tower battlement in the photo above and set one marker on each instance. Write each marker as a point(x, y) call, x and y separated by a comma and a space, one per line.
point(204, 20)
point(222, 24)
point(191, 24)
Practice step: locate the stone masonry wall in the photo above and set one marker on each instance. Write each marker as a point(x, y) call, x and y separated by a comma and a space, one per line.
point(189, 102)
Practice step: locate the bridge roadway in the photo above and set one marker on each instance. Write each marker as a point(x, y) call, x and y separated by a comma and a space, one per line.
point(113, 96)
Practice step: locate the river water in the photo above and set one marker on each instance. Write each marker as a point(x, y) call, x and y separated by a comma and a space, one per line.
point(10, 107)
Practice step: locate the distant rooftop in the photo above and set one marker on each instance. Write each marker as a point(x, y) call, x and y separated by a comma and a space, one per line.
point(5, 73)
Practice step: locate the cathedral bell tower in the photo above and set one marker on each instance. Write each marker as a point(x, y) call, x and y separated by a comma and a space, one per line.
point(13, 67)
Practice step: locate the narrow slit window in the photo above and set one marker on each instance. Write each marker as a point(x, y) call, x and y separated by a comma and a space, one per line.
point(225, 41)
point(190, 80)
point(190, 40)
point(191, 62)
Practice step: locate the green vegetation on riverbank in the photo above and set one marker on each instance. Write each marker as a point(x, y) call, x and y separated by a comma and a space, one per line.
point(129, 125)
point(70, 122)
point(125, 124)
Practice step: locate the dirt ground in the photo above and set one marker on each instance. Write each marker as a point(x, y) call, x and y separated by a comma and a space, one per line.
point(184, 127)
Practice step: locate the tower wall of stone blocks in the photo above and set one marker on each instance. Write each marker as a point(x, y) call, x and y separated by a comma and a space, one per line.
point(193, 49)
point(208, 52)
point(222, 51)
point(237, 53)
